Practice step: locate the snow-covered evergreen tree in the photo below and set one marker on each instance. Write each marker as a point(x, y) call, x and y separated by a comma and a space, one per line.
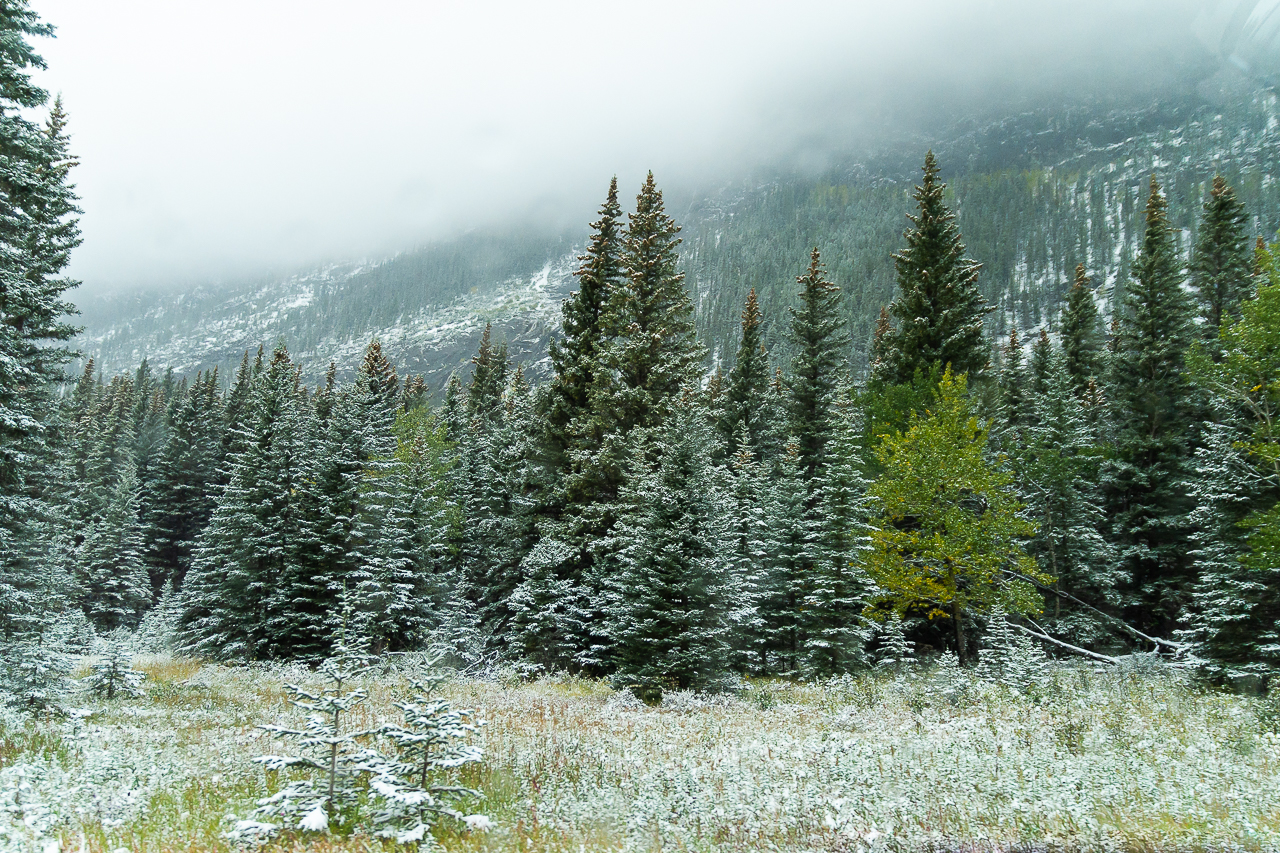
point(817, 371)
point(180, 500)
point(1221, 264)
point(895, 651)
point(939, 311)
point(239, 595)
point(792, 553)
point(112, 672)
point(113, 583)
point(838, 587)
point(664, 608)
point(1010, 657)
point(1057, 476)
point(416, 785)
point(1146, 479)
point(748, 382)
point(330, 753)
point(746, 551)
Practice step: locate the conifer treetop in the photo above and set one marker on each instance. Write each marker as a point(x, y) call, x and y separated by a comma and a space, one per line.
point(939, 311)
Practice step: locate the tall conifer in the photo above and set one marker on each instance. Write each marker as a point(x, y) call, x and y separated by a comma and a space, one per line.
point(1222, 262)
point(1147, 480)
point(939, 312)
point(817, 329)
point(743, 406)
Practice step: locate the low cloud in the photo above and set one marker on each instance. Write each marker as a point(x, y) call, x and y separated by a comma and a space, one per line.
point(237, 138)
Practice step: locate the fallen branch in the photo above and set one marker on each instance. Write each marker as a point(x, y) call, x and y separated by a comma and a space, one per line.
point(1073, 649)
point(1155, 641)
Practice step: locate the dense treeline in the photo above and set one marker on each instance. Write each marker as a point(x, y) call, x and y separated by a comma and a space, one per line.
point(1105, 488)
point(1110, 489)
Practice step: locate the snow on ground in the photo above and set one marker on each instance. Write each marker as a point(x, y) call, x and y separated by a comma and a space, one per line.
point(1123, 759)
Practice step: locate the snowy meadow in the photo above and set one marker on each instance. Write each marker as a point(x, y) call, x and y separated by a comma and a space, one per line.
point(929, 757)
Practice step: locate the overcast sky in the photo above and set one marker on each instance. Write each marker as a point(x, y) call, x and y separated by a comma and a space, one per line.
point(247, 136)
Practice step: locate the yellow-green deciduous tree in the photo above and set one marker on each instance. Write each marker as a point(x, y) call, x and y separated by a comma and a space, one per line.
point(948, 535)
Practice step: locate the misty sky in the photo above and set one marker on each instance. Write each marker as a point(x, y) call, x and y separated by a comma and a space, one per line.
point(249, 136)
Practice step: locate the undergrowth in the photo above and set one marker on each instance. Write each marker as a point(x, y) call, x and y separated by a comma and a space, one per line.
point(927, 758)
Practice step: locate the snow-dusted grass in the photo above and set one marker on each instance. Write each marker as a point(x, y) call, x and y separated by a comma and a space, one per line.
point(1134, 759)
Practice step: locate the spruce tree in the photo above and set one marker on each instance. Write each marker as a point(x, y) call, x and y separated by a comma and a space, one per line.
point(1222, 262)
point(1014, 402)
point(239, 593)
point(183, 492)
point(114, 587)
point(838, 589)
point(652, 353)
point(746, 551)
point(939, 312)
point(1221, 620)
point(792, 554)
point(1234, 612)
point(575, 356)
point(488, 378)
point(1057, 475)
point(1146, 483)
point(663, 612)
point(817, 331)
point(744, 406)
point(1081, 333)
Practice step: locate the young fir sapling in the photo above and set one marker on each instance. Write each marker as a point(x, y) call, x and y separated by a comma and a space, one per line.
point(113, 671)
point(331, 752)
point(433, 737)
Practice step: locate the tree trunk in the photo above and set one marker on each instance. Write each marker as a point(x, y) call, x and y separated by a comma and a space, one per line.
point(957, 614)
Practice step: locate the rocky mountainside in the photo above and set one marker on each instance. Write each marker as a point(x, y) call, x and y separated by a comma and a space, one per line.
point(1036, 193)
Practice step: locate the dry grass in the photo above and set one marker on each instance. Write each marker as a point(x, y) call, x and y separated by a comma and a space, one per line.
point(929, 760)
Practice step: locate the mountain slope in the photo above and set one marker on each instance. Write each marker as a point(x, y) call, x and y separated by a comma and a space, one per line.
point(1035, 193)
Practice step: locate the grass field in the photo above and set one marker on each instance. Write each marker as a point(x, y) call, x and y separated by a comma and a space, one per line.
point(1135, 759)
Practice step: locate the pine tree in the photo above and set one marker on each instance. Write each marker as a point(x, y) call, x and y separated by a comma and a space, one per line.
point(817, 330)
point(939, 311)
point(1041, 366)
point(649, 356)
point(38, 230)
point(1146, 483)
point(1221, 265)
point(744, 404)
point(1081, 334)
point(498, 494)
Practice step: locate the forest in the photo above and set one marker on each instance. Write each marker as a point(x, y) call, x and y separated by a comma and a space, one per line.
point(1110, 489)
point(969, 540)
